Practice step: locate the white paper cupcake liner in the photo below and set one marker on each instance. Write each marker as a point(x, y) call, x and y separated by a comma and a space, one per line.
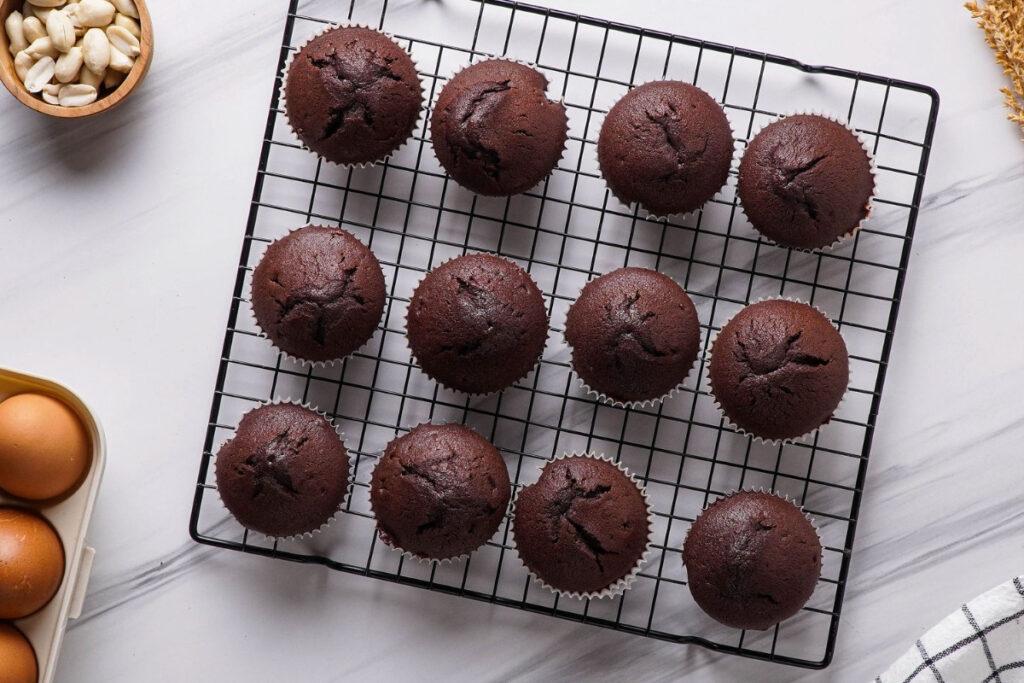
point(637, 208)
point(803, 438)
point(390, 542)
point(874, 183)
point(318, 364)
point(350, 483)
point(477, 59)
point(412, 353)
point(621, 585)
point(608, 400)
point(284, 96)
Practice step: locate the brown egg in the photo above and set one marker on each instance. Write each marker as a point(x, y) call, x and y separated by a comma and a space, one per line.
point(31, 562)
point(17, 659)
point(44, 448)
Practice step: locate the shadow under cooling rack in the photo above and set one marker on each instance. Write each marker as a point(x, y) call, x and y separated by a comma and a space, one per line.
point(566, 231)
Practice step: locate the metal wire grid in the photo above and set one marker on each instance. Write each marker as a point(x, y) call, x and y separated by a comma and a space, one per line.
point(564, 232)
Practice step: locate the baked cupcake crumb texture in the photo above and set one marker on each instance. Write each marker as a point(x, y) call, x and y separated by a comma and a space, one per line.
point(752, 559)
point(634, 335)
point(779, 369)
point(583, 526)
point(494, 129)
point(666, 145)
point(439, 492)
point(318, 293)
point(477, 323)
point(805, 181)
point(285, 472)
point(353, 95)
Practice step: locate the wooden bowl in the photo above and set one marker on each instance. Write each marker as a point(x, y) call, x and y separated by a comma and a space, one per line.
point(109, 101)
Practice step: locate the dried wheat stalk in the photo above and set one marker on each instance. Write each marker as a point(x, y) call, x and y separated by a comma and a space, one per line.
point(1003, 21)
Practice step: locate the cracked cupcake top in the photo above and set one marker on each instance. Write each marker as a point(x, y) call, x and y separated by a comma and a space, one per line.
point(779, 369)
point(805, 181)
point(439, 491)
point(284, 473)
point(477, 323)
point(582, 527)
point(667, 146)
point(494, 129)
point(634, 334)
point(353, 95)
point(318, 293)
point(752, 559)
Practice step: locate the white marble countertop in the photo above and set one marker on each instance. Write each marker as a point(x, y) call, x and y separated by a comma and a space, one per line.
point(121, 237)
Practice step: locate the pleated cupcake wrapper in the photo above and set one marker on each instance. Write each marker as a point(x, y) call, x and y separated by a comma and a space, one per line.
point(637, 207)
point(608, 400)
point(305, 362)
point(439, 382)
point(874, 185)
point(284, 96)
point(632, 405)
point(424, 561)
point(803, 438)
point(486, 58)
point(350, 481)
point(760, 489)
point(390, 544)
point(621, 585)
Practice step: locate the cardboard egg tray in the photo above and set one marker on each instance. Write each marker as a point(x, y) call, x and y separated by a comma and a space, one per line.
point(70, 517)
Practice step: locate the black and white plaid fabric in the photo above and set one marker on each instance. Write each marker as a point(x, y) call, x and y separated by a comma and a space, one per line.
point(982, 642)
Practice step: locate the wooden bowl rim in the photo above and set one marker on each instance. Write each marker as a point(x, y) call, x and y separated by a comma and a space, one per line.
point(17, 88)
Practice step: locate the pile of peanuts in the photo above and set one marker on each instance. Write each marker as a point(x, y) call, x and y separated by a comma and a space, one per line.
point(67, 51)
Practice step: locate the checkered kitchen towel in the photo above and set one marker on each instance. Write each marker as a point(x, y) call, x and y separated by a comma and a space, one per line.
point(983, 641)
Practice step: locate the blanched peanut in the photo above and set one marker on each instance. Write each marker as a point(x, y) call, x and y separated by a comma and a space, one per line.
point(119, 61)
point(89, 77)
point(128, 24)
point(42, 47)
point(15, 26)
point(22, 63)
point(39, 75)
point(69, 52)
point(93, 13)
point(96, 50)
point(127, 8)
point(124, 41)
point(33, 29)
point(77, 95)
point(113, 79)
point(60, 30)
point(69, 65)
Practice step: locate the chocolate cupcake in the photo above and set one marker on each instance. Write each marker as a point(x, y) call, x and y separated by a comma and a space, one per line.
point(634, 335)
point(583, 528)
point(439, 491)
point(667, 146)
point(779, 369)
point(477, 323)
point(752, 559)
point(494, 129)
point(805, 181)
point(352, 95)
point(318, 293)
point(285, 472)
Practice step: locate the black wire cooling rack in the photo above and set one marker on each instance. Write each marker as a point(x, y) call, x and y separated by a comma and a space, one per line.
point(564, 232)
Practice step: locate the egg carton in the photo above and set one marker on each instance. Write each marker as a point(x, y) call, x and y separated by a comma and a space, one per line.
point(70, 518)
